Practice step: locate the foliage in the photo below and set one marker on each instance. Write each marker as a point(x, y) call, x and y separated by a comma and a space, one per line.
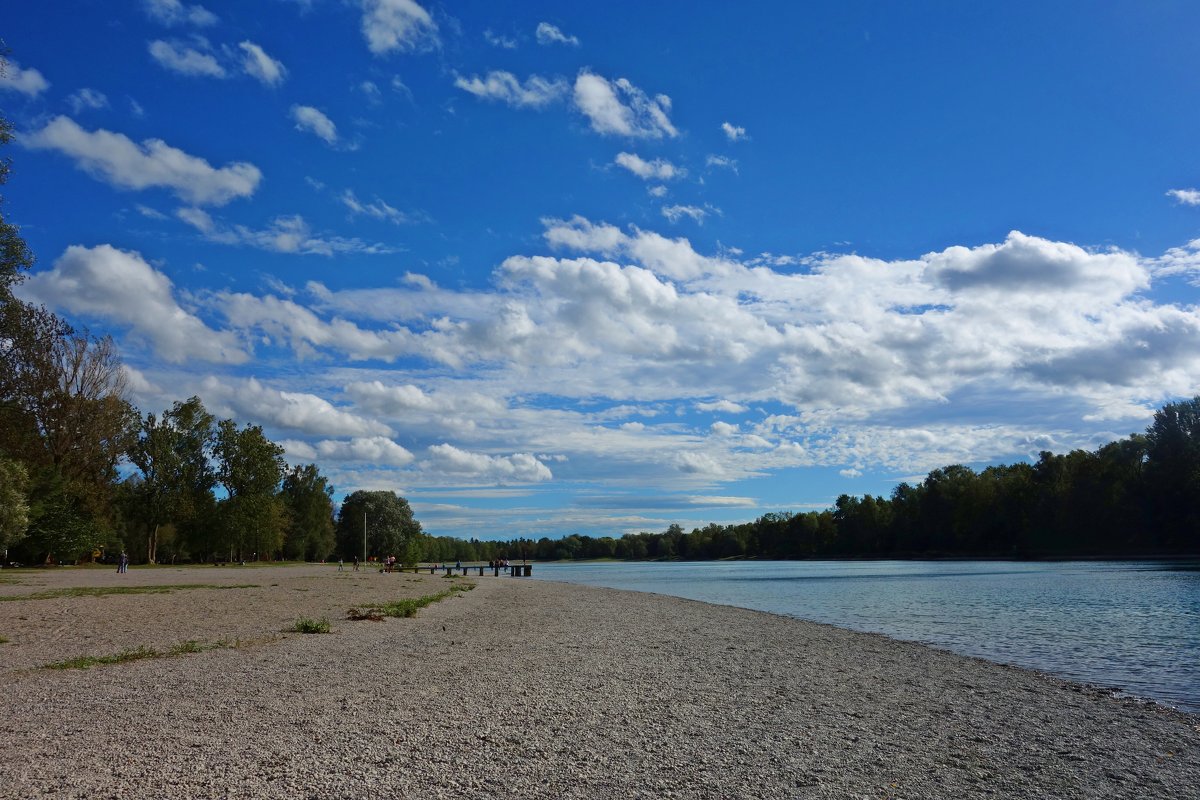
point(307, 625)
point(388, 520)
point(409, 607)
point(172, 454)
point(308, 498)
point(14, 506)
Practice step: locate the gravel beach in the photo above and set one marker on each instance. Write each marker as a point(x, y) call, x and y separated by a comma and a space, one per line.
point(534, 689)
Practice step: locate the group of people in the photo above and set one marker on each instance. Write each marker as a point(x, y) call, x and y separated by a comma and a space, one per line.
point(123, 562)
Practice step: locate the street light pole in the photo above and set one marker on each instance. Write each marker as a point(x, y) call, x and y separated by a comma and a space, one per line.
point(364, 538)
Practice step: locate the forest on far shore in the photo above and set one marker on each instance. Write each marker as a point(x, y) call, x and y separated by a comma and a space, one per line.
point(1139, 496)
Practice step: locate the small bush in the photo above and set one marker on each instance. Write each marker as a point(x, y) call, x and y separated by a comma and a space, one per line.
point(306, 625)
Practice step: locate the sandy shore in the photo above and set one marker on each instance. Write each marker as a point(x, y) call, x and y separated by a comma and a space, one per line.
point(535, 689)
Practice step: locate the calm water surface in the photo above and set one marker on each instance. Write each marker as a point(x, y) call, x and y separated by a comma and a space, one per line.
point(1130, 624)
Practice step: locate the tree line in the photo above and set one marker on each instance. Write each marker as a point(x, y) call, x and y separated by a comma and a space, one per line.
point(1137, 496)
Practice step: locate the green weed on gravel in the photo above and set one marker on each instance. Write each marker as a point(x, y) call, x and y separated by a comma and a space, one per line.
point(306, 625)
point(100, 591)
point(409, 606)
point(139, 654)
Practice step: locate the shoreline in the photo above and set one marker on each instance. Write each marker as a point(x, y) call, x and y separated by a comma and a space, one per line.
point(543, 688)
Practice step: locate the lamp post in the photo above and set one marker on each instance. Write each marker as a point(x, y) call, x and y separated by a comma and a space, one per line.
point(364, 538)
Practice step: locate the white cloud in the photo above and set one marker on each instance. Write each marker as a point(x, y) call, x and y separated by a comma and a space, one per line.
point(86, 99)
point(676, 213)
point(377, 209)
point(397, 25)
point(657, 191)
point(186, 60)
point(496, 40)
point(115, 159)
point(287, 234)
point(298, 411)
point(550, 34)
point(536, 92)
point(373, 450)
point(1187, 197)
point(725, 406)
point(174, 12)
point(633, 427)
point(313, 121)
point(261, 66)
point(659, 169)
point(723, 428)
point(722, 162)
point(618, 107)
point(520, 467)
point(120, 286)
point(26, 81)
point(850, 473)
point(733, 132)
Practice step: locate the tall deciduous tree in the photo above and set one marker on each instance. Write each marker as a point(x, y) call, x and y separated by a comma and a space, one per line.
point(250, 467)
point(172, 454)
point(307, 496)
point(386, 518)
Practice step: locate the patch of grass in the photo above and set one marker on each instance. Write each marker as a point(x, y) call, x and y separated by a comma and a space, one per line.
point(100, 591)
point(409, 606)
point(306, 625)
point(140, 653)
point(3, 640)
point(87, 662)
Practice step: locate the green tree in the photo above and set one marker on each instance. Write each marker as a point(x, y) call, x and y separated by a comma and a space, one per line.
point(250, 467)
point(308, 498)
point(1173, 473)
point(172, 454)
point(14, 504)
point(387, 519)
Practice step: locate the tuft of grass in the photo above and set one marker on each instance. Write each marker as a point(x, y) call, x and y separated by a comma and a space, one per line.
point(140, 653)
point(3, 640)
point(100, 591)
point(87, 662)
point(306, 625)
point(410, 606)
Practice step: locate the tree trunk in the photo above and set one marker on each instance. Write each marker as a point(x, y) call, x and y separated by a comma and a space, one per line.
point(152, 545)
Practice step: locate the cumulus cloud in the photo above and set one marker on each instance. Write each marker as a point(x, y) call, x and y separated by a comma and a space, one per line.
point(725, 406)
point(28, 82)
point(397, 26)
point(120, 286)
point(115, 159)
point(659, 169)
point(298, 411)
point(312, 121)
point(260, 66)
point(1029, 264)
point(187, 60)
point(374, 450)
point(536, 92)
point(174, 12)
point(519, 467)
point(86, 99)
point(550, 34)
point(733, 132)
point(1187, 197)
point(620, 108)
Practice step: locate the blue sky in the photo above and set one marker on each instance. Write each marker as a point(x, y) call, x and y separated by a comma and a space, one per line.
point(546, 268)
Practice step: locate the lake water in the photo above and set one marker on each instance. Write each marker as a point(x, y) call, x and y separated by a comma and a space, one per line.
point(1130, 624)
